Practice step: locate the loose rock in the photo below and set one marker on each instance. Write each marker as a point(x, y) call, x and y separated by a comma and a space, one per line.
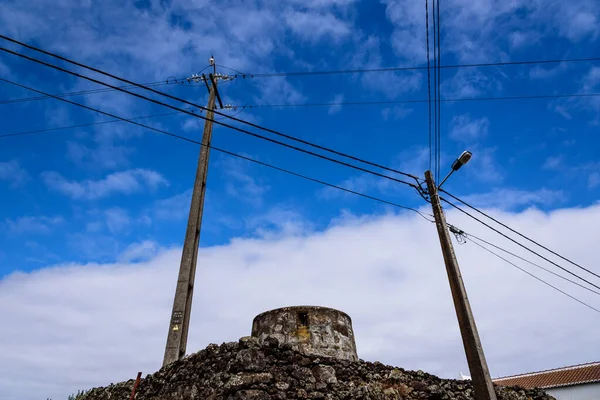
point(246, 370)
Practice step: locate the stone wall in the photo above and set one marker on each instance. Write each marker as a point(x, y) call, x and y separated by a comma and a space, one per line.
point(247, 370)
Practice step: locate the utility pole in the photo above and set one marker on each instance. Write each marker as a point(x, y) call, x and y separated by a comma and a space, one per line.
point(182, 304)
point(480, 375)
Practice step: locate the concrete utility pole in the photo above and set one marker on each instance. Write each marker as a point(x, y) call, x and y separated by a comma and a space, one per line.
point(480, 375)
point(182, 304)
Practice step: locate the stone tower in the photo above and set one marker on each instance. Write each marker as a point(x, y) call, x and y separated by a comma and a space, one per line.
point(310, 330)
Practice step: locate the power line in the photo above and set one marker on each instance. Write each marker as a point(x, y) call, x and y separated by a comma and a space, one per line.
point(417, 101)
point(58, 128)
point(413, 68)
point(241, 130)
point(85, 92)
point(228, 126)
point(520, 234)
point(428, 78)
point(131, 121)
point(83, 125)
point(439, 93)
point(536, 277)
point(362, 103)
point(435, 85)
point(194, 105)
point(519, 244)
point(471, 236)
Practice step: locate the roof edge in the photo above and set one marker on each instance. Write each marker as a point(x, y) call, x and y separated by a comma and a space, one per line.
point(570, 367)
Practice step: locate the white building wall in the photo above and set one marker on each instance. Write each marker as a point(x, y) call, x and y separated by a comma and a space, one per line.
point(587, 391)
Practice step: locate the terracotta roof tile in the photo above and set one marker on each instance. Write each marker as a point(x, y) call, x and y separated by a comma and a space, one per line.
point(573, 375)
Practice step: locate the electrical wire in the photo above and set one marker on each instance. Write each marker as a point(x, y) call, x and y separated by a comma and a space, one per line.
point(232, 127)
point(82, 125)
point(131, 121)
point(235, 114)
point(428, 78)
point(518, 233)
point(360, 103)
point(471, 236)
point(519, 244)
point(536, 277)
point(236, 128)
point(85, 92)
point(435, 83)
point(410, 101)
point(415, 68)
point(192, 104)
point(93, 123)
point(231, 69)
point(439, 93)
point(92, 91)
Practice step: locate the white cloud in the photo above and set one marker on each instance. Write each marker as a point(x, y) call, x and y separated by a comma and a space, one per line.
point(562, 110)
point(408, 38)
point(105, 155)
point(336, 108)
point(539, 72)
point(242, 184)
point(278, 90)
point(589, 83)
point(323, 3)
point(576, 21)
point(117, 219)
point(593, 180)
point(125, 182)
point(12, 172)
point(412, 160)
point(553, 162)
point(471, 82)
point(467, 129)
point(396, 112)
point(175, 207)
point(314, 26)
point(508, 199)
point(89, 325)
point(520, 39)
point(367, 54)
point(276, 222)
point(141, 251)
point(33, 225)
point(592, 79)
point(5, 70)
point(483, 165)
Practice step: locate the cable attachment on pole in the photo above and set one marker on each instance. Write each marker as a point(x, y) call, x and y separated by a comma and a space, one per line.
point(422, 191)
point(459, 234)
point(197, 78)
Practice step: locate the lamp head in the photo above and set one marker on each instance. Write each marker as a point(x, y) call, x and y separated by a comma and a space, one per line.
point(464, 158)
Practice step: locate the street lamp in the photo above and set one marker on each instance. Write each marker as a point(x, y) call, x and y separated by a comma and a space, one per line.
point(464, 158)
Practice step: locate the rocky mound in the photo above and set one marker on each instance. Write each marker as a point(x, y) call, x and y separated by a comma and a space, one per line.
point(247, 370)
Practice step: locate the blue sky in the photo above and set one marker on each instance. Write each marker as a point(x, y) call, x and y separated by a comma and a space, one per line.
point(115, 193)
point(544, 147)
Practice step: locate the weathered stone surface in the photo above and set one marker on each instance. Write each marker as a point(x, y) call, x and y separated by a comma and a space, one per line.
point(248, 370)
point(309, 330)
point(324, 374)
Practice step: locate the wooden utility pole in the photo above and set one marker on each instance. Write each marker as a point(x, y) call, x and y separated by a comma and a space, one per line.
point(182, 304)
point(480, 375)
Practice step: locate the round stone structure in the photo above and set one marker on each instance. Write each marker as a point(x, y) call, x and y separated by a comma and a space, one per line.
point(310, 330)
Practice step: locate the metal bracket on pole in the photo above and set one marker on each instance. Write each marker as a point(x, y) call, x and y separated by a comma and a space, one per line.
point(214, 83)
point(205, 79)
